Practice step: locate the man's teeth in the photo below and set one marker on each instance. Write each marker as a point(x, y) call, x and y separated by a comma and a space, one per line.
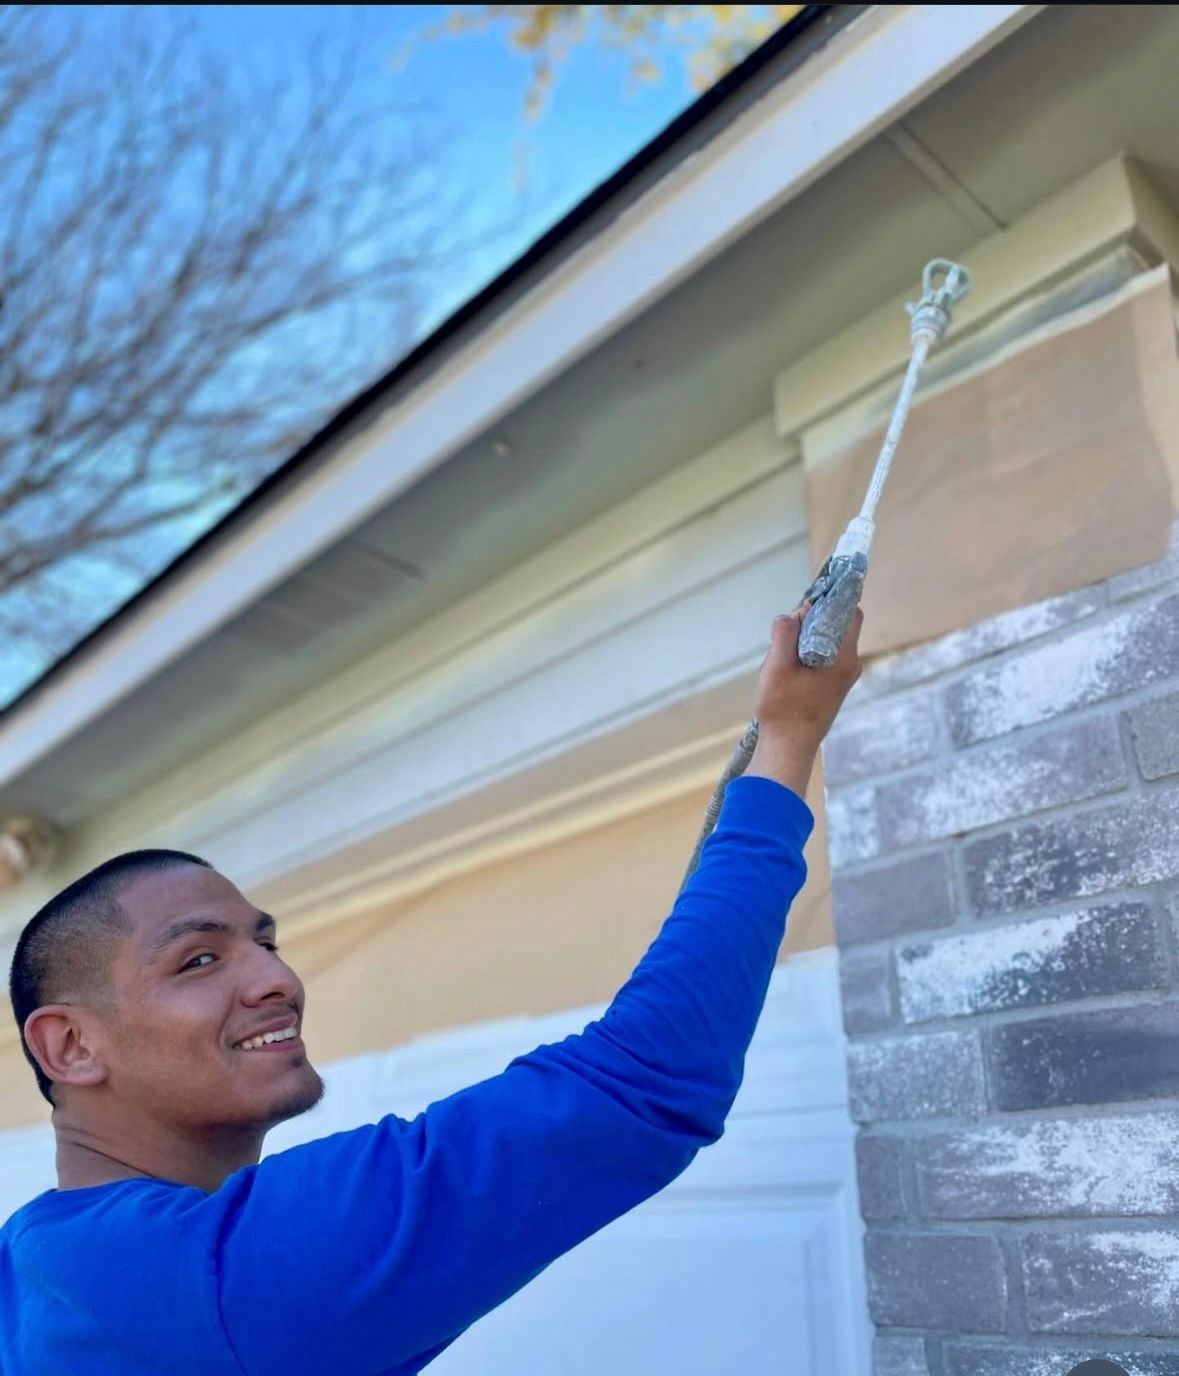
point(253, 1043)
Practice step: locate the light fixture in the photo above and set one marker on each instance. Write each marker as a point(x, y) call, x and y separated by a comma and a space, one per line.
point(27, 844)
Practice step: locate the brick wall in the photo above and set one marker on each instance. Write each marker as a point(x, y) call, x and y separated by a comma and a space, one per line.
point(1003, 809)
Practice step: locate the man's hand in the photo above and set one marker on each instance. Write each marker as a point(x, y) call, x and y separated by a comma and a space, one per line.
point(796, 705)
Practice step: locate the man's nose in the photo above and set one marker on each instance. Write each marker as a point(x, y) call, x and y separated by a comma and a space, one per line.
point(268, 979)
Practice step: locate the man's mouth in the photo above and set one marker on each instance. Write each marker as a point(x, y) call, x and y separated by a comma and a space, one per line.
point(264, 1039)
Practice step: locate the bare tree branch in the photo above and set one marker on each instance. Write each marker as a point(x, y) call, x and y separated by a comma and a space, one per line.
point(194, 273)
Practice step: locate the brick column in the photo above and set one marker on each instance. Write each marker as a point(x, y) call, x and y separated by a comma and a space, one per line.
point(1003, 814)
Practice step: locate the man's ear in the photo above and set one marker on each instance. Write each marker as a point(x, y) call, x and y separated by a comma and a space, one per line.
point(63, 1045)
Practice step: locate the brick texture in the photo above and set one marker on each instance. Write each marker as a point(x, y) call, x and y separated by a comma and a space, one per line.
point(891, 736)
point(985, 638)
point(908, 896)
point(1072, 955)
point(879, 1172)
point(1005, 885)
point(1122, 845)
point(992, 1359)
point(1155, 730)
point(938, 1075)
point(936, 1280)
point(1117, 1281)
point(1104, 1057)
point(994, 785)
point(852, 833)
point(895, 1356)
point(1110, 1165)
point(1137, 647)
point(866, 988)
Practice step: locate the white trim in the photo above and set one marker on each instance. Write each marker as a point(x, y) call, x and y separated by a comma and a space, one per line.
point(662, 644)
point(866, 78)
point(498, 836)
point(636, 529)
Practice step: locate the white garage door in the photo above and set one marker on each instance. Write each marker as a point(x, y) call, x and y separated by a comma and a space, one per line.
point(750, 1263)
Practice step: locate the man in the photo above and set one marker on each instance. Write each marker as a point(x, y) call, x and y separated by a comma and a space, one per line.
point(164, 1029)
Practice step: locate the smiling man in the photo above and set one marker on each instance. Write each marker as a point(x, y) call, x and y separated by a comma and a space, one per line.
point(163, 1028)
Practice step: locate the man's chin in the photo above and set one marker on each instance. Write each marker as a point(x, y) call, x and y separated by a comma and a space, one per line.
point(300, 1099)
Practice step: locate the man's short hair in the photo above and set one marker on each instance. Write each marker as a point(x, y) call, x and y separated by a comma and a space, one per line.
point(65, 945)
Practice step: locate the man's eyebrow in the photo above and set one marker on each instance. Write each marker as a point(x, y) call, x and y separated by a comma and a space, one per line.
point(188, 925)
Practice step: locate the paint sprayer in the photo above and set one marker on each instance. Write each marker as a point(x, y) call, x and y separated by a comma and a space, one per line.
point(836, 591)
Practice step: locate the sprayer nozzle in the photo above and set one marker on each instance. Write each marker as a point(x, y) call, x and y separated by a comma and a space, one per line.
point(944, 284)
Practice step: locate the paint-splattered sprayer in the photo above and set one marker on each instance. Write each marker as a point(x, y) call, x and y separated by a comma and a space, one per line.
point(835, 593)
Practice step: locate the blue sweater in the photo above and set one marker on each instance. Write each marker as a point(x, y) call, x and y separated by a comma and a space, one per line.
point(371, 1251)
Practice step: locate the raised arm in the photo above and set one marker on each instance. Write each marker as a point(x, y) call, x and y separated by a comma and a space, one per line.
point(387, 1242)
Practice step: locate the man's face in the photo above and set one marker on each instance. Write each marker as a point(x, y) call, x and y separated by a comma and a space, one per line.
point(193, 985)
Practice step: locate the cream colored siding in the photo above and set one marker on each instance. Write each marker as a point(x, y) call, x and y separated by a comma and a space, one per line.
point(559, 927)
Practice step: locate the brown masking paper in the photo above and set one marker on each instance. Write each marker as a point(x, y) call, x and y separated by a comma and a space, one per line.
point(557, 927)
point(1051, 470)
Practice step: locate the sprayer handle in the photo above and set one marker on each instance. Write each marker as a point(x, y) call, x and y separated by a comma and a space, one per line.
point(834, 596)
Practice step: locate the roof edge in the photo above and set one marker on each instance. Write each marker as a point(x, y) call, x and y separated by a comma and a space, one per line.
point(603, 203)
point(627, 245)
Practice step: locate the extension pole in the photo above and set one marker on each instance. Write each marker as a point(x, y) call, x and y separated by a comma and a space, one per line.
point(836, 592)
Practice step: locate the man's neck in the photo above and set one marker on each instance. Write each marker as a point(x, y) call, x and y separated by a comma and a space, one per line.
point(94, 1154)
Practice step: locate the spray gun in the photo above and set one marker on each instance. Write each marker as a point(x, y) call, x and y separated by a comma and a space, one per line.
point(835, 593)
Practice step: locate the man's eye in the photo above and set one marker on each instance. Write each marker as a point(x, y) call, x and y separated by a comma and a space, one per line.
point(193, 965)
point(270, 946)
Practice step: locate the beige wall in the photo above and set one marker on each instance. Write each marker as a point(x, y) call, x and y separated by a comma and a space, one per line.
point(559, 927)
point(20, 1103)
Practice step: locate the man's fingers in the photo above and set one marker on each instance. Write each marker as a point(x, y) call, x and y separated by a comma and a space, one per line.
point(786, 630)
point(784, 635)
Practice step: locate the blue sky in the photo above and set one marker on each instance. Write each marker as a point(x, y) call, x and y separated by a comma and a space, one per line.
point(470, 91)
point(474, 86)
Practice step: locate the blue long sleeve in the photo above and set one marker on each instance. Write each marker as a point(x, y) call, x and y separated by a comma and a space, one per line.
point(416, 1229)
point(371, 1250)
